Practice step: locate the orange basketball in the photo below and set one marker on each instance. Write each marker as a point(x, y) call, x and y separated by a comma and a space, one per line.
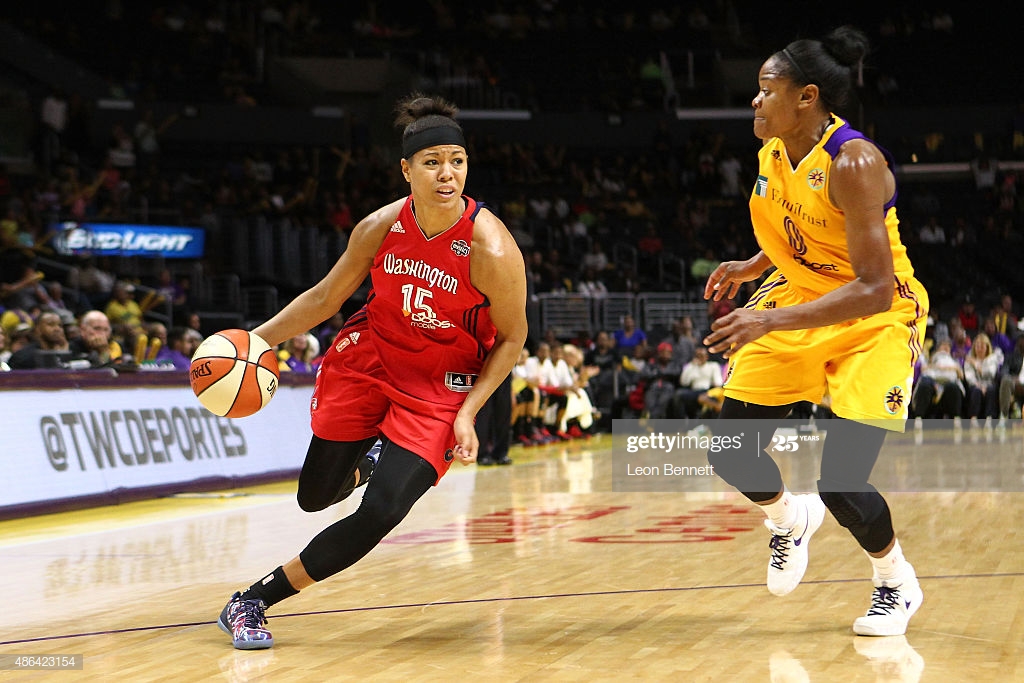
point(234, 373)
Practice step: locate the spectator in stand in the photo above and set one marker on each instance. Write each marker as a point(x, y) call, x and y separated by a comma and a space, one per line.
point(93, 278)
point(177, 291)
point(61, 300)
point(178, 350)
point(596, 258)
point(591, 285)
point(123, 309)
point(960, 341)
point(1011, 382)
point(730, 170)
point(931, 232)
point(696, 379)
point(296, 355)
point(1004, 317)
point(683, 340)
point(940, 391)
point(20, 336)
point(649, 248)
point(49, 336)
point(629, 336)
point(997, 339)
point(96, 343)
point(604, 358)
point(553, 378)
point(981, 375)
point(661, 380)
point(526, 400)
point(704, 265)
point(580, 414)
point(968, 316)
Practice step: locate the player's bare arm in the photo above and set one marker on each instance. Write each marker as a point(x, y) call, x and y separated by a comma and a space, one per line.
point(499, 273)
point(325, 298)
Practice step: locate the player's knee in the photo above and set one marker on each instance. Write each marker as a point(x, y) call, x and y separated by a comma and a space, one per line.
point(382, 512)
point(852, 508)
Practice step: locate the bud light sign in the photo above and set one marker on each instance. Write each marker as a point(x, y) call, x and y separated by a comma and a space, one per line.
point(120, 239)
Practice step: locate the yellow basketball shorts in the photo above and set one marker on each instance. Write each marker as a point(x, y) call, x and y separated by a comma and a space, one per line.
point(865, 365)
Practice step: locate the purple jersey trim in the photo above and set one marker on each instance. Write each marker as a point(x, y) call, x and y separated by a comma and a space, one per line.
point(843, 134)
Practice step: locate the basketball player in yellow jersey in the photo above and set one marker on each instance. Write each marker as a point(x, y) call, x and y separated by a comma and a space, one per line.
point(841, 313)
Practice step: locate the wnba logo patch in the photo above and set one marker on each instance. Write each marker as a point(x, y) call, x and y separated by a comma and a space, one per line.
point(894, 400)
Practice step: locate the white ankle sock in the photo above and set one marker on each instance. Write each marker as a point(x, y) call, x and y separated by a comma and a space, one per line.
point(783, 511)
point(891, 565)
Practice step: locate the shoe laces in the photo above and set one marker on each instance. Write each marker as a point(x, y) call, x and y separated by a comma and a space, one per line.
point(780, 547)
point(249, 614)
point(883, 601)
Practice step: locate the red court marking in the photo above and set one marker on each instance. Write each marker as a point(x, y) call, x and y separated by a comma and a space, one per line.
point(507, 526)
point(710, 523)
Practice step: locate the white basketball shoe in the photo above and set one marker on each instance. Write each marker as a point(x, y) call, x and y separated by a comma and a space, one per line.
point(788, 562)
point(893, 602)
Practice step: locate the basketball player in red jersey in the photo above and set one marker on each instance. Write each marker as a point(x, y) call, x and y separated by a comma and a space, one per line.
point(442, 327)
point(842, 312)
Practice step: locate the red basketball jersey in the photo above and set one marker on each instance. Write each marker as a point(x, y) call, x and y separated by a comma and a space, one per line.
point(431, 327)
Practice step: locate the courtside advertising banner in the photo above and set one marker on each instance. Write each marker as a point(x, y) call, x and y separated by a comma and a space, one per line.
point(123, 239)
point(69, 443)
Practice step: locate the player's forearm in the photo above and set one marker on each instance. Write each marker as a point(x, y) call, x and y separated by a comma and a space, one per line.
point(856, 299)
point(496, 368)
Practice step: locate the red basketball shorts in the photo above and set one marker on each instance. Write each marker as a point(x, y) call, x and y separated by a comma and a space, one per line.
point(354, 400)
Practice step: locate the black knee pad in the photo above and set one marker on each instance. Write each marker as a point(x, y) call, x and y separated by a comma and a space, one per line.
point(865, 513)
point(851, 508)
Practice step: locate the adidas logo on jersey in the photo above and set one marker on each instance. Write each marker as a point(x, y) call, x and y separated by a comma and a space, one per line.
point(397, 227)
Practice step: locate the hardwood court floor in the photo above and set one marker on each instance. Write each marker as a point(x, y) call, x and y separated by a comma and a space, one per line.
point(535, 572)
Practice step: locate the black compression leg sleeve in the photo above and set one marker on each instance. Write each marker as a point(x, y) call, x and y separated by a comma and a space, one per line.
point(400, 479)
point(328, 472)
point(850, 452)
point(754, 473)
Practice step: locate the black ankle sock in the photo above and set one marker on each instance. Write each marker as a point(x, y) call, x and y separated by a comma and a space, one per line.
point(271, 589)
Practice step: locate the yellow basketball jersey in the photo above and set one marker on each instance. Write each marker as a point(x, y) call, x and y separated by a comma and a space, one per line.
point(796, 225)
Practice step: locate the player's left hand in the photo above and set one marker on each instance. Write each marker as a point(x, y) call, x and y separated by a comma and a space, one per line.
point(466, 442)
point(730, 332)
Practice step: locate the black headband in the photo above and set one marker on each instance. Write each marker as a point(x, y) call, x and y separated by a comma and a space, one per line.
point(799, 72)
point(442, 134)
